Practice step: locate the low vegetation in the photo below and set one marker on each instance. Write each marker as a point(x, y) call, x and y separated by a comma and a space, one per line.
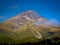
point(24, 36)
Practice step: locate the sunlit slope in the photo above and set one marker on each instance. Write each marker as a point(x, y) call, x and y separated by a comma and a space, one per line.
point(48, 27)
point(29, 30)
point(18, 36)
point(48, 31)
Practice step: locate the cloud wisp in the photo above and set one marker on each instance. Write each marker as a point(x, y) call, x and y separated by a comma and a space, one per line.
point(52, 22)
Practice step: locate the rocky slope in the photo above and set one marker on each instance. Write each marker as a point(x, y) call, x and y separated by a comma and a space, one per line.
point(28, 16)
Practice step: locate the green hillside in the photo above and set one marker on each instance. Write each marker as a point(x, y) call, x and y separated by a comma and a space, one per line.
point(24, 34)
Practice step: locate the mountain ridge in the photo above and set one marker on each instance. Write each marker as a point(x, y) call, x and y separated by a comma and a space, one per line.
point(25, 17)
point(24, 23)
point(27, 12)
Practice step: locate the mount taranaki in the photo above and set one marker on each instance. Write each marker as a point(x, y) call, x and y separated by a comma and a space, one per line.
point(17, 22)
point(25, 17)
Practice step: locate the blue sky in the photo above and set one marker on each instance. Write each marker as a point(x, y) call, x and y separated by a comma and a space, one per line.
point(49, 9)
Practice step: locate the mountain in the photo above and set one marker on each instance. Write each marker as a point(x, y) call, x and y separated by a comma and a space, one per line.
point(28, 16)
point(27, 27)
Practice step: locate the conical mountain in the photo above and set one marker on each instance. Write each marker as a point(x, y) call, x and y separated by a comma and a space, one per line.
point(25, 17)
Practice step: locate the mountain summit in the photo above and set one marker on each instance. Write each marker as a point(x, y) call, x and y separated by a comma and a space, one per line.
point(29, 15)
point(22, 23)
point(25, 17)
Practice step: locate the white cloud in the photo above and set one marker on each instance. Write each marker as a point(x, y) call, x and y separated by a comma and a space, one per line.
point(52, 22)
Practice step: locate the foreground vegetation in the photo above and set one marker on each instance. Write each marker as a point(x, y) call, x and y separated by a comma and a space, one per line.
point(51, 41)
point(24, 36)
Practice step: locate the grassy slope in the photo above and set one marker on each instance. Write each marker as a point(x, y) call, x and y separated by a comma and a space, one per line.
point(21, 36)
